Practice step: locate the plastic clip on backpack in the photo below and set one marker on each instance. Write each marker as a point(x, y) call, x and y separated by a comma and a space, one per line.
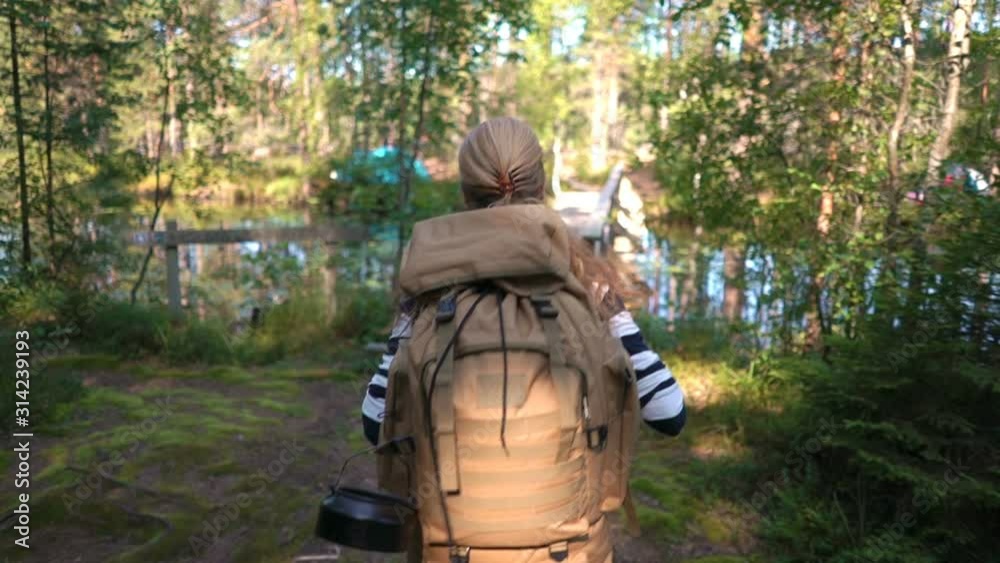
point(522, 406)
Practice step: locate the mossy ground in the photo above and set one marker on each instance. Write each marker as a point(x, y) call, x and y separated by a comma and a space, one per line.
point(689, 490)
point(160, 464)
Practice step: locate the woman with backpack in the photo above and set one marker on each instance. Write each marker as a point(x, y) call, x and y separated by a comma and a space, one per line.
point(517, 370)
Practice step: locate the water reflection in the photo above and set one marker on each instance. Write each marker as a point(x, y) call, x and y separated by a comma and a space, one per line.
point(239, 277)
point(687, 281)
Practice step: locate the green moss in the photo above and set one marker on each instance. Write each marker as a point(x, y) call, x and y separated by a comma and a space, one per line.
point(713, 528)
point(104, 397)
point(306, 373)
point(99, 514)
point(276, 386)
point(285, 408)
point(167, 544)
point(84, 362)
point(661, 524)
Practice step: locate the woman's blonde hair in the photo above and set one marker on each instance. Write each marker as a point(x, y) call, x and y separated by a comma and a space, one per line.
point(501, 163)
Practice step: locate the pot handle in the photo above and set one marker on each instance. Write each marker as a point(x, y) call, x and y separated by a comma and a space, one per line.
point(401, 445)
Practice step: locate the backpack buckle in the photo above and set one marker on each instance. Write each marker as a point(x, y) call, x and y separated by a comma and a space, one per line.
point(446, 309)
point(559, 551)
point(543, 306)
point(459, 553)
point(597, 437)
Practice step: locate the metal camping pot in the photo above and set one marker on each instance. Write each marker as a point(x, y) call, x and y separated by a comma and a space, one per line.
point(367, 519)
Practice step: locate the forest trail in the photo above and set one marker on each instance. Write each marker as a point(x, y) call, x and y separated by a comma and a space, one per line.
point(224, 465)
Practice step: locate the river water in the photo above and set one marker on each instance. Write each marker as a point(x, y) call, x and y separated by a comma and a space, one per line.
point(233, 279)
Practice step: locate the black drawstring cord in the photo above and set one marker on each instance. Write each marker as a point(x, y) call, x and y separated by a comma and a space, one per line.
point(430, 420)
point(503, 346)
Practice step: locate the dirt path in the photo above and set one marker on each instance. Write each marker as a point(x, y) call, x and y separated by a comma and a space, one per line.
point(228, 466)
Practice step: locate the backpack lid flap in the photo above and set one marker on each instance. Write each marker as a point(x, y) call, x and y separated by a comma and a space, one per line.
point(499, 242)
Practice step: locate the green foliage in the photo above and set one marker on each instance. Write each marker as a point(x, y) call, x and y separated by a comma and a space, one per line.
point(285, 188)
point(911, 472)
point(300, 327)
point(692, 338)
point(201, 342)
point(363, 315)
point(129, 331)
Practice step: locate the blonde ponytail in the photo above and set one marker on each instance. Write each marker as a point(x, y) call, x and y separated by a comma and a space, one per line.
point(500, 163)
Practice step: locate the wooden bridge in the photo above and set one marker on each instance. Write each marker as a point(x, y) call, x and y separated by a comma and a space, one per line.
point(610, 217)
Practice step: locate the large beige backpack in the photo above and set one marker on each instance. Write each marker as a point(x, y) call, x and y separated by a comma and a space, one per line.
point(522, 405)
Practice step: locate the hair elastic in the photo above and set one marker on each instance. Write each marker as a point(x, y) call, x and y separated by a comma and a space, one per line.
point(506, 184)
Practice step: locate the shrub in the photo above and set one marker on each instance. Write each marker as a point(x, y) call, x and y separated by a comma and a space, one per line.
point(911, 472)
point(698, 338)
point(300, 325)
point(202, 342)
point(363, 314)
point(126, 330)
point(284, 189)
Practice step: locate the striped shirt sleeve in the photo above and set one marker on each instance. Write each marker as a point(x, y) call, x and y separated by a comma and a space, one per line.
point(660, 396)
point(373, 407)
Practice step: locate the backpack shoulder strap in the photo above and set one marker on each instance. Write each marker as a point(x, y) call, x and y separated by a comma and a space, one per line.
point(562, 373)
point(442, 402)
point(572, 397)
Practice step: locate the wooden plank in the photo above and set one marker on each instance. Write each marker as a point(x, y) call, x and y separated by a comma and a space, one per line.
point(328, 233)
point(610, 191)
point(173, 273)
point(587, 216)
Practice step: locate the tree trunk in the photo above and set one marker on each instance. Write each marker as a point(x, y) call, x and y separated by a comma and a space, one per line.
point(157, 169)
point(654, 299)
point(668, 32)
point(50, 204)
point(614, 132)
point(753, 37)
point(176, 127)
point(689, 291)
point(190, 142)
point(613, 70)
point(902, 108)
point(557, 160)
point(993, 166)
point(406, 171)
point(672, 298)
point(958, 60)
point(734, 266)
point(22, 173)
point(598, 125)
point(814, 316)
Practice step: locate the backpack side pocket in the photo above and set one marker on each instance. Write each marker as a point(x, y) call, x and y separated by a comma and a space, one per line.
point(623, 429)
point(391, 467)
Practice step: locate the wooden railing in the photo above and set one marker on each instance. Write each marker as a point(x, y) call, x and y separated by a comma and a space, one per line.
point(173, 237)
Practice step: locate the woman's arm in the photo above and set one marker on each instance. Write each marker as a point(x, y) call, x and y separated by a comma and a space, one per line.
point(660, 396)
point(373, 407)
